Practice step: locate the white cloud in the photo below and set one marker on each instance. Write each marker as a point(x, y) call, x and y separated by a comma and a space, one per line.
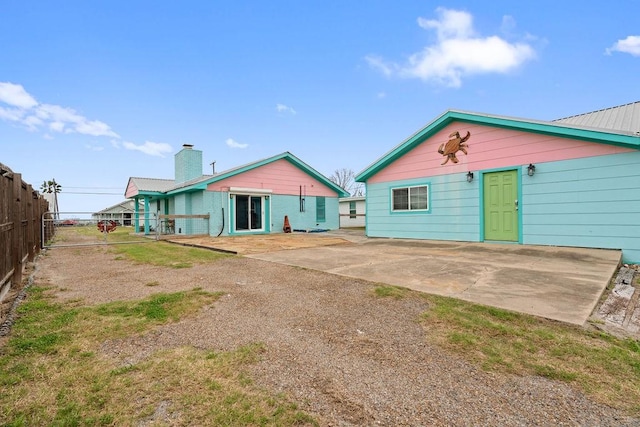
point(454, 24)
point(379, 64)
point(95, 128)
point(22, 108)
point(16, 96)
point(25, 110)
point(32, 122)
point(56, 126)
point(459, 52)
point(93, 147)
point(630, 45)
point(281, 108)
point(151, 148)
point(234, 144)
point(11, 114)
point(67, 120)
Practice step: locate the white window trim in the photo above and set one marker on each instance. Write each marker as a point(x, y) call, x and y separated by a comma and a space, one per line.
point(409, 187)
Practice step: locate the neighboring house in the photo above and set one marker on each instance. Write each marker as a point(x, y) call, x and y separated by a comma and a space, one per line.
point(53, 208)
point(570, 182)
point(251, 199)
point(352, 212)
point(123, 213)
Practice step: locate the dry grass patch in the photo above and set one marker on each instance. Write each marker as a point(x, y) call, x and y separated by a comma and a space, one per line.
point(52, 371)
point(165, 254)
point(603, 366)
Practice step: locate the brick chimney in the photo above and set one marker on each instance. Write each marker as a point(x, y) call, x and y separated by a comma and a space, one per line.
point(188, 164)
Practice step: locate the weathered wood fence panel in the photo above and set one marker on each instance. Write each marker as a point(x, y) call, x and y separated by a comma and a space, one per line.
point(21, 233)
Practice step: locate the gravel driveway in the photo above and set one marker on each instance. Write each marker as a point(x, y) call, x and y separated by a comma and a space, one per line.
point(345, 356)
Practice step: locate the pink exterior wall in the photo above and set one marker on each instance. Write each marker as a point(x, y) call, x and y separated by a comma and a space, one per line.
point(132, 190)
point(280, 176)
point(489, 148)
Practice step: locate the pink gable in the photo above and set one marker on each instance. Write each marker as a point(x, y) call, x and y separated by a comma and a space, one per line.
point(489, 148)
point(132, 190)
point(280, 176)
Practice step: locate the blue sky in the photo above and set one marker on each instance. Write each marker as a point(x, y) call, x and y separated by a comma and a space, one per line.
point(93, 92)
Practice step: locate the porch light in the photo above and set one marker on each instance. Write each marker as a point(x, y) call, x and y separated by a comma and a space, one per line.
point(469, 176)
point(531, 169)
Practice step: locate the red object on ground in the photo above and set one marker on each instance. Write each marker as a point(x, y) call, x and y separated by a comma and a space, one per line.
point(287, 226)
point(106, 226)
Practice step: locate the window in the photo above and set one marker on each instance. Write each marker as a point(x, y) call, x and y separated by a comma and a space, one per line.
point(411, 198)
point(320, 209)
point(352, 210)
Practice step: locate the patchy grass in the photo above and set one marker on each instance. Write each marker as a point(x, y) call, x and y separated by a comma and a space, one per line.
point(166, 254)
point(396, 292)
point(602, 366)
point(52, 371)
point(89, 233)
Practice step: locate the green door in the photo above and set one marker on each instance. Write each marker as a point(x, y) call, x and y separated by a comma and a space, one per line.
point(501, 206)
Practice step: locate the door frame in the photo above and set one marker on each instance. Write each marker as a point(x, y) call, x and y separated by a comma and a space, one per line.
point(266, 212)
point(481, 224)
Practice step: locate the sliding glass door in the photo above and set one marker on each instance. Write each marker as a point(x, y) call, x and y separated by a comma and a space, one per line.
point(248, 213)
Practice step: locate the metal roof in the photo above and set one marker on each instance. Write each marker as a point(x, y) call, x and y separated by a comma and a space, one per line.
point(125, 206)
point(623, 118)
point(153, 184)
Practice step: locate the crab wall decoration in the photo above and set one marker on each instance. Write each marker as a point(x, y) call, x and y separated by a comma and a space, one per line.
point(450, 148)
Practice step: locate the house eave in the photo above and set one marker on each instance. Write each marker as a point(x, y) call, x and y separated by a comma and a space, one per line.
point(602, 136)
point(242, 169)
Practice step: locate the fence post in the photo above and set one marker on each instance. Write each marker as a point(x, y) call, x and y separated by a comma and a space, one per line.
point(16, 245)
point(31, 225)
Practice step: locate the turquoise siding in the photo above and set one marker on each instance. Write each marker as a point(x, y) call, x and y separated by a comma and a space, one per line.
point(592, 202)
point(282, 205)
point(216, 205)
point(453, 210)
point(188, 165)
point(276, 207)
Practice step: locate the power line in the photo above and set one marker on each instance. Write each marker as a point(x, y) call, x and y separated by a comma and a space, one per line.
point(85, 192)
point(94, 188)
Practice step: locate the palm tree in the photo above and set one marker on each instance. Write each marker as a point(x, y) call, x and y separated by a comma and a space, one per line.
point(55, 188)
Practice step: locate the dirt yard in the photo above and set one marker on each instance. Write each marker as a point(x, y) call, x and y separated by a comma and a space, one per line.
point(253, 244)
point(344, 355)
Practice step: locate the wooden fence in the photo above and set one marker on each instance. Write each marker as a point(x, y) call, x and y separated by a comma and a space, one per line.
point(21, 233)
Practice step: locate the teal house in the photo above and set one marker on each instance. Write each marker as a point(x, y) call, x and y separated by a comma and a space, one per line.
point(485, 178)
point(253, 198)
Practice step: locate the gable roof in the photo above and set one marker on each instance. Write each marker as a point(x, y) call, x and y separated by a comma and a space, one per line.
point(149, 186)
point(622, 138)
point(124, 206)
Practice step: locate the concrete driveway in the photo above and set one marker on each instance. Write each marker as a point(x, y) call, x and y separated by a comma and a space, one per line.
point(553, 282)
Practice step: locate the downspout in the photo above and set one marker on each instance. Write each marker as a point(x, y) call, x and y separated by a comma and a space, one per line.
point(221, 228)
